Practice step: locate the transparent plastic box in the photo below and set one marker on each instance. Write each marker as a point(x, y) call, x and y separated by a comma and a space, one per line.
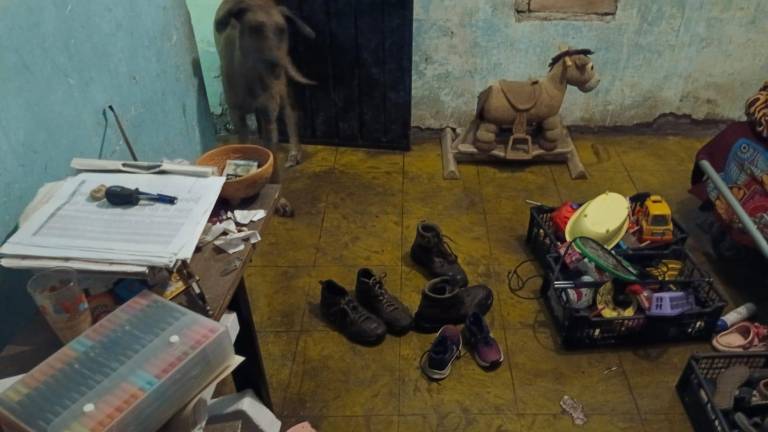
point(129, 372)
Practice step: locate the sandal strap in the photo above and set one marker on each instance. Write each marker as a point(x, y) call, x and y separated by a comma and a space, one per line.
point(757, 337)
point(759, 333)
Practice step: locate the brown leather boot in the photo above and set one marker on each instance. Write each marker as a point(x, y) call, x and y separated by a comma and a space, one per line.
point(430, 250)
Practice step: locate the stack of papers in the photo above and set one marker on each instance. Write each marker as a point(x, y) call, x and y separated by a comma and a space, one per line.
point(72, 226)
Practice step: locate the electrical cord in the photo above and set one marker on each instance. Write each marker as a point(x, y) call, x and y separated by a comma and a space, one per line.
point(514, 275)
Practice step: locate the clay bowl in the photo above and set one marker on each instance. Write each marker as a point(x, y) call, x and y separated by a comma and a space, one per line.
point(249, 185)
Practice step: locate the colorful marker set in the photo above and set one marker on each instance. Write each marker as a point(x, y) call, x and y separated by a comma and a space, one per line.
point(131, 371)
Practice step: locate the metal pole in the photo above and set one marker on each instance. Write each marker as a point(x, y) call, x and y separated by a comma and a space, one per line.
point(122, 132)
point(749, 225)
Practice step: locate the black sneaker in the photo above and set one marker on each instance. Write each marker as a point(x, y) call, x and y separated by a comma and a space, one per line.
point(429, 250)
point(370, 292)
point(346, 314)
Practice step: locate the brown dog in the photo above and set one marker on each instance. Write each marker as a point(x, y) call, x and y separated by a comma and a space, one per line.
point(252, 41)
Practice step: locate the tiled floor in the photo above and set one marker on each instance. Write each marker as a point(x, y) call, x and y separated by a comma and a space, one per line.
point(359, 208)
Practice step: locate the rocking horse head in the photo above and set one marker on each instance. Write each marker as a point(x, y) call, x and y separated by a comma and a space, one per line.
point(578, 69)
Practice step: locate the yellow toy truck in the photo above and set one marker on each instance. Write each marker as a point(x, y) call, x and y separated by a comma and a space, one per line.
point(655, 220)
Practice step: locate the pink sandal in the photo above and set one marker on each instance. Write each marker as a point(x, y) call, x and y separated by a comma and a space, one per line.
point(743, 336)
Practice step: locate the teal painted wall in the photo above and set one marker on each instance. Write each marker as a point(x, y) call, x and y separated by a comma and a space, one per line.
point(697, 57)
point(61, 64)
point(202, 13)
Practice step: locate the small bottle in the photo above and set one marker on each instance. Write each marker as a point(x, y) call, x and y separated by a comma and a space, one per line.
point(739, 314)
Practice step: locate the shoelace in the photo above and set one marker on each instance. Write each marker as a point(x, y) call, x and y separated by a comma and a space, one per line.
point(485, 340)
point(445, 249)
point(356, 313)
point(461, 353)
point(377, 282)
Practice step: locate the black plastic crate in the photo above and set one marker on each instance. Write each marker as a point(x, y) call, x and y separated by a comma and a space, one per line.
point(696, 386)
point(579, 328)
point(542, 239)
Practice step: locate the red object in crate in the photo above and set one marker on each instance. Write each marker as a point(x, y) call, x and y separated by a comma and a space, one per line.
point(562, 215)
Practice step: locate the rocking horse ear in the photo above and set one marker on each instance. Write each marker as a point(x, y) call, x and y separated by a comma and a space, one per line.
point(568, 62)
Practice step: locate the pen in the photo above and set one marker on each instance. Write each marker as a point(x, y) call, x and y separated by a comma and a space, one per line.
point(186, 273)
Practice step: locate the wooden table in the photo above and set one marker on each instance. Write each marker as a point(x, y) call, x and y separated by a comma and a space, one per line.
point(36, 341)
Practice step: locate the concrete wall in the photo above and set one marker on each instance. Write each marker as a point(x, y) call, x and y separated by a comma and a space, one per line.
point(61, 64)
point(697, 57)
point(202, 13)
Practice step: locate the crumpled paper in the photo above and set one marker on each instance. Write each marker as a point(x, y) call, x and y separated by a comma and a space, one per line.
point(235, 237)
point(210, 233)
point(229, 226)
point(236, 242)
point(244, 217)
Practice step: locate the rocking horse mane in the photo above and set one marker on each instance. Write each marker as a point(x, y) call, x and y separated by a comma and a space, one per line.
point(571, 52)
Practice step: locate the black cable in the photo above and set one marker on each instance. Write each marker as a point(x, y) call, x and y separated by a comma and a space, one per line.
point(521, 282)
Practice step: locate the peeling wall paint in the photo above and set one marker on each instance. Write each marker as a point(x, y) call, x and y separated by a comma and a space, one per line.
point(697, 57)
point(61, 64)
point(202, 13)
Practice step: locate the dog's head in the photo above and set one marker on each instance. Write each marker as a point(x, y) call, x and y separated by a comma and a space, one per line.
point(261, 26)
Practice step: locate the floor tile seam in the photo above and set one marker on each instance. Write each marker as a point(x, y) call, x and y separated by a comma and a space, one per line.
point(287, 394)
point(325, 209)
point(402, 274)
point(485, 218)
point(507, 344)
point(307, 287)
point(554, 181)
point(305, 298)
point(629, 386)
point(320, 235)
point(626, 169)
point(290, 369)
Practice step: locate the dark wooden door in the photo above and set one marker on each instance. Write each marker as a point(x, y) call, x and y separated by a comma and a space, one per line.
point(361, 61)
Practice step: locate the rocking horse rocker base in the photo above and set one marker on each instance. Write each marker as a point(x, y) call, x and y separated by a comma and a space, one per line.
point(458, 146)
point(525, 107)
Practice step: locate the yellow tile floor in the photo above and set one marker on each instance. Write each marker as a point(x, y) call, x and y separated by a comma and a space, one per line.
point(359, 208)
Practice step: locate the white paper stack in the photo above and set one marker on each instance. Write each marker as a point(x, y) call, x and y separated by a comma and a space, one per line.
point(72, 226)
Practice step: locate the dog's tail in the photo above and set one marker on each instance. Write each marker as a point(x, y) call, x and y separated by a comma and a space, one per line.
point(295, 75)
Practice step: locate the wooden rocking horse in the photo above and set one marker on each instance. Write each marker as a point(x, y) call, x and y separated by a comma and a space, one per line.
point(528, 113)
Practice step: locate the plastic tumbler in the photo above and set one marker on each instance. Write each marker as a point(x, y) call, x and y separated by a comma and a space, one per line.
point(61, 302)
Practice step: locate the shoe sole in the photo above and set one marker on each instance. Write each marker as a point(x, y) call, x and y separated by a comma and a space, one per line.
point(482, 364)
point(399, 331)
point(485, 365)
point(368, 342)
point(431, 327)
point(436, 374)
point(422, 326)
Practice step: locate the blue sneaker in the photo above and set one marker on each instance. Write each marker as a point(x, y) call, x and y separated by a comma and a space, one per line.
point(436, 363)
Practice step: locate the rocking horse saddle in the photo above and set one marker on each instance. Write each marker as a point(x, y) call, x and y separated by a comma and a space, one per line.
point(521, 95)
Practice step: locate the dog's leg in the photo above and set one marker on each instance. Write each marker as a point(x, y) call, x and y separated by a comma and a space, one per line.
point(268, 130)
point(239, 124)
point(294, 147)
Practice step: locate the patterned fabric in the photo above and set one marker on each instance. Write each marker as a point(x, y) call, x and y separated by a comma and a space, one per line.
point(756, 110)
